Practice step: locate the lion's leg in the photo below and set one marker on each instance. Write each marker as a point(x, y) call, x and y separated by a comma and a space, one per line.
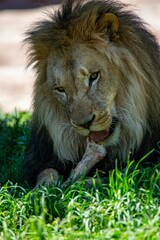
point(93, 154)
point(47, 177)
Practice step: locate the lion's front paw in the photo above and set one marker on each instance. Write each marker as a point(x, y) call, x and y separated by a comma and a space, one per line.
point(48, 177)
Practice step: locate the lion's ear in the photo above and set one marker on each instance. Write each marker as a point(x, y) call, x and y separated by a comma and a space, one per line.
point(109, 24)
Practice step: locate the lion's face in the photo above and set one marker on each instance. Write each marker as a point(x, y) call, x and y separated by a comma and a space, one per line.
point(85, 85)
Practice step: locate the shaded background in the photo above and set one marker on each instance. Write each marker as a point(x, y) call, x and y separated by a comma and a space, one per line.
point(15, 16)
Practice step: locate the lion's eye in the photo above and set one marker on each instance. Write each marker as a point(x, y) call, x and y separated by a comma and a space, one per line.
point(59, 89)
point(93, 78)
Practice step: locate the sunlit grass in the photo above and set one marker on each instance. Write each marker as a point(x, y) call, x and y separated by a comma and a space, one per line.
point(126, 206)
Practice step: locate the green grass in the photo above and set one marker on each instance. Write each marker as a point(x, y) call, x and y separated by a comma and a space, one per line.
point(14, 135)
point(127, 206)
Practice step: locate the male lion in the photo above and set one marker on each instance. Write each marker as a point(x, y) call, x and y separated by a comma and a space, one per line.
point(98, 81)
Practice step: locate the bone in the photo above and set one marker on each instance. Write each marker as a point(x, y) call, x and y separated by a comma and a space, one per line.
point(93, 154)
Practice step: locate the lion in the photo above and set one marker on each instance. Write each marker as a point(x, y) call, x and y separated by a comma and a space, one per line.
point(97, 79)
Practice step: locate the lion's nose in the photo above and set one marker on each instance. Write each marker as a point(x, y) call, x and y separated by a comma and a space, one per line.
point(88, 123)
point(85, 123)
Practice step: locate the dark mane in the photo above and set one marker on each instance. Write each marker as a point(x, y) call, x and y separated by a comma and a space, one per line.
point(76, 19)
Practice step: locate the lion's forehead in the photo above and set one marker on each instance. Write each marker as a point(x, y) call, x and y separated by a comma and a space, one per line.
point(61, 75)
point(74, 67)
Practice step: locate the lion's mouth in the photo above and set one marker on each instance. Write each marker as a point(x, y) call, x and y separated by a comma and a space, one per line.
point(98, 136)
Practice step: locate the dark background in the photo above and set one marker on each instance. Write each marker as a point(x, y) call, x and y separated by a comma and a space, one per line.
point(25, 4)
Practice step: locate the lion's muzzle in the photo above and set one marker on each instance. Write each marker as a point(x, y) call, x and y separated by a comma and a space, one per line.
point(98, 127)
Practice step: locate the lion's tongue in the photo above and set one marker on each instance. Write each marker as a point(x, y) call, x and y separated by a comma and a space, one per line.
point(98, 136)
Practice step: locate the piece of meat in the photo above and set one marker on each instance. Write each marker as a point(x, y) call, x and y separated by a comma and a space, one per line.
point(98, 136)
point(93, 154)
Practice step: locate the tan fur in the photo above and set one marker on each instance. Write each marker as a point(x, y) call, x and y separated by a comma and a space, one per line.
point(95, 37)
